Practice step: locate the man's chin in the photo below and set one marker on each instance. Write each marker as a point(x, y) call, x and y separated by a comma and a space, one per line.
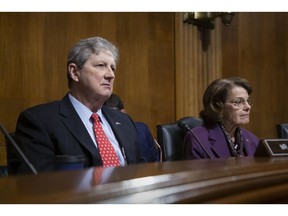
point(106, 95)
point(107, 92)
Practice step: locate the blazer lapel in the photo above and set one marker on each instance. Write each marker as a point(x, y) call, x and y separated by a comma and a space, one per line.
point(218, 142)
point(117, 126)
point(248, 143)
point(74, 124)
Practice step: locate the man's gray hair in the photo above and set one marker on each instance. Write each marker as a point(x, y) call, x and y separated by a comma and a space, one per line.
point(80, 53)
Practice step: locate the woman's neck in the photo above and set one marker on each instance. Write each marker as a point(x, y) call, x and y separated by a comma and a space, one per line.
point(230, 129)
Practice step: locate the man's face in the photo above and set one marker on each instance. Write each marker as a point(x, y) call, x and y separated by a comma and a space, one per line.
point(97, 76)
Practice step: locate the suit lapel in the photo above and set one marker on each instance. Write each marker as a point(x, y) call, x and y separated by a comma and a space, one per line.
point(74, 124)
point(117, 126)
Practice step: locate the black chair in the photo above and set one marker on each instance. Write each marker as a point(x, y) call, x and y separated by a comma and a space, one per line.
point(171, 136)
point(3, 171)
point(282, 131)
point(10, 150)
point(15, 156)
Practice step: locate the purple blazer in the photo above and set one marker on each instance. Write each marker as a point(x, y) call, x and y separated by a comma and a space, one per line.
point(214, 142)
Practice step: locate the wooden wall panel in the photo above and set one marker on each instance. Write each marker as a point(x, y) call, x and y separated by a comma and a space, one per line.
point(33, 61)
point(146, 74)
point(163, 69)
point(196, 65)
point(255, 47)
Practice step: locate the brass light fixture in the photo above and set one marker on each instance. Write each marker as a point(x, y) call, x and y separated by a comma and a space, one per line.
point(206, 19)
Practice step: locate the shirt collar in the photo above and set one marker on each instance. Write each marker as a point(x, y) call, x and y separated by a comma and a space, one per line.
point(83, 111)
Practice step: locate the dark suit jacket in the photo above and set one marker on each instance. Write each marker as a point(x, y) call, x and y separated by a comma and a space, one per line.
point(55, 128)
point(214, 142)
point(147, 145)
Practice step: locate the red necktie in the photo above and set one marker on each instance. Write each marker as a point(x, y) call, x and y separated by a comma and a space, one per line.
point(107, 152)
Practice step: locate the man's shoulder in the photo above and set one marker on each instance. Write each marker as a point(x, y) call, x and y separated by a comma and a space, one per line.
point(51, 105)
point(42, 107)
point(141, 125)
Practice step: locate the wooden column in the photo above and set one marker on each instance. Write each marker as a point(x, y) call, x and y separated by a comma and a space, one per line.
point(197, 62)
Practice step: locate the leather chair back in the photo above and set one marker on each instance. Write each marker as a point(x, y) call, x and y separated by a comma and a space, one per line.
point(282, 131)
point(11, 152)
point(170, 137)
point(3, 171)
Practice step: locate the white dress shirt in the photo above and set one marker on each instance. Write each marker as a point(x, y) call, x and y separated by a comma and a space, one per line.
point(85, 114)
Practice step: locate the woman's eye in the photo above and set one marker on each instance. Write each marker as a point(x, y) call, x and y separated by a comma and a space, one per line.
point(238, 102)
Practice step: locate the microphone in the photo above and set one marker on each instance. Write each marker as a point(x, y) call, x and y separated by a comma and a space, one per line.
point(186, 127)
point(6, 133)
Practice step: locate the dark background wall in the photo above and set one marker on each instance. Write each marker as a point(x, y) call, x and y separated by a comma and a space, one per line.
point(163, 69)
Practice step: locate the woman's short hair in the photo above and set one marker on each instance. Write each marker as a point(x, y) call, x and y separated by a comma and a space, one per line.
point(80, 53)
point(216, 95)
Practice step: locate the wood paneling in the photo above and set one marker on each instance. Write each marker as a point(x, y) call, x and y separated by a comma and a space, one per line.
point(163, 69)
point(255, 47)
point(33, 54)
point(198, 62)
point(146, 74)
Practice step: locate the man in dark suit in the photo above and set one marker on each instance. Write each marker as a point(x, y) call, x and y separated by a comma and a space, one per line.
point(148, 148)
point(65, 127)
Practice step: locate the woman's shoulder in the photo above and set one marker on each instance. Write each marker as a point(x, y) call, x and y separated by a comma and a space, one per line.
point(206, 128)
point(247, 133)
point(200, 130)
point(244, 130)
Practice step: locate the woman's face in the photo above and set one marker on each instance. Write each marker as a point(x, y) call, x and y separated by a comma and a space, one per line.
point(236, 110)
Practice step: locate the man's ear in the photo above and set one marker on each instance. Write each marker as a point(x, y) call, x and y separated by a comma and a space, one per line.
point(73, 72)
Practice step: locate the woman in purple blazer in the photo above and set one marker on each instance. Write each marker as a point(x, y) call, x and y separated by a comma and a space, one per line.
point(227, 106)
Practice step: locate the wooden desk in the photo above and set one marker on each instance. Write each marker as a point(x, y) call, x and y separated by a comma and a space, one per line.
point(245, 180)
